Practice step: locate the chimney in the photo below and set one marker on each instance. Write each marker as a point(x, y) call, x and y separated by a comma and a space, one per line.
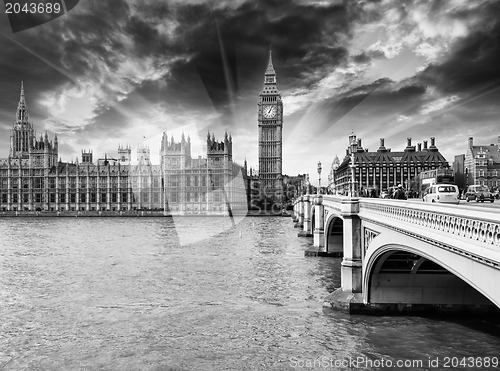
point(408, 142)
point(433, 142)
point(359, 142)
point(382, 140)
point(471, 142)
point(425, 145)
point(419, 147)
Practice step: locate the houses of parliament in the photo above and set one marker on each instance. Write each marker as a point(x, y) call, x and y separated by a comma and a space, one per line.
point(33, 178)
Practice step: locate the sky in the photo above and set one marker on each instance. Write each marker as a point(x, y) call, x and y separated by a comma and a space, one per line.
point(121, 72)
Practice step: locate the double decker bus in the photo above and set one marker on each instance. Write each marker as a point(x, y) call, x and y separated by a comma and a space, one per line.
point(427, 178)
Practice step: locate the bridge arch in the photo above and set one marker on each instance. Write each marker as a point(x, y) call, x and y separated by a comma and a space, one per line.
point(415, 273)
point(334, 235)
point(313, 218)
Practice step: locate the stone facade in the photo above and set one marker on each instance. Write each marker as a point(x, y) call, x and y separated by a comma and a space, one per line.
point(482, 164)
point(32, 178)
point(384, 168)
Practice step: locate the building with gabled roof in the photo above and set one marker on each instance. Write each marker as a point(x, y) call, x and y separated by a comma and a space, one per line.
point(482, 164)
point(384, 168)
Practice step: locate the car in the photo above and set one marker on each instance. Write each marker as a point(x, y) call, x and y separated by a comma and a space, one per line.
point(479, 193)
point(442, 193)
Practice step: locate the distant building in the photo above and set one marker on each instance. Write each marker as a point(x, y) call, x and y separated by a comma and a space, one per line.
point(331, 186)
point(32, 178)
point(294, 186)
point(482, 164)
point(209, 185)
point(459, 171)
point(382, 169)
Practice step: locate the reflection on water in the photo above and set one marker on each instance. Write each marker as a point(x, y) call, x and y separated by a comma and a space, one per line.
point(132, 293)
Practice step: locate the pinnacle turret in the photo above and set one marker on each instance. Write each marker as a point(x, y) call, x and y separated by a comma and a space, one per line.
point(22, 110)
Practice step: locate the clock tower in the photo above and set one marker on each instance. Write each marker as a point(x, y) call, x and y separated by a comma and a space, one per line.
point(270, 118)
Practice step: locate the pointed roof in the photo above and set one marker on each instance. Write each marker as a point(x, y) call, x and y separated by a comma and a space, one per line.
point(21, 98)
point(270, 67)
point(22, 110)
point(270, 85)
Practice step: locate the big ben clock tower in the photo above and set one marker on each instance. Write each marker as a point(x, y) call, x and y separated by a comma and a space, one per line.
point(270, 119)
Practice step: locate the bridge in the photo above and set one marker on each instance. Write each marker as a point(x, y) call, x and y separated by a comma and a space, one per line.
point(405, 256)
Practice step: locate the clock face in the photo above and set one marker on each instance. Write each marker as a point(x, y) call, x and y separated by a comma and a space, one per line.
point(269, 112)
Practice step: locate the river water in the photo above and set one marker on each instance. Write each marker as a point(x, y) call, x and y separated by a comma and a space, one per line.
point(196, 294)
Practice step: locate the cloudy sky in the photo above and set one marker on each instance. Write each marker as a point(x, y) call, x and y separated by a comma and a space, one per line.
point(122, 72)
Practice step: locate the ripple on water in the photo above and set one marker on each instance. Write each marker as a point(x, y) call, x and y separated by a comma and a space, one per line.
point(187, 294)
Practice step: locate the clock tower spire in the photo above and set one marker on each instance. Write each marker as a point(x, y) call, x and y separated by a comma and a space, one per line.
point(270, 121)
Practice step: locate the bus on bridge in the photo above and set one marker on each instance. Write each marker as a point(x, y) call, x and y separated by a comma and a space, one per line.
point(427, 178)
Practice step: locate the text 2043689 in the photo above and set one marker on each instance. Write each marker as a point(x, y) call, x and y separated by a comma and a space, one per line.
point(19, 7)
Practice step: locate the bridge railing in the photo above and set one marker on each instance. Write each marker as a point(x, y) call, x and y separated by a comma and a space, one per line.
point(474, 231)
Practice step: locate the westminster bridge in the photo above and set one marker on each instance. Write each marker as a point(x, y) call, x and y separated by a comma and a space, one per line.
point(405, 255)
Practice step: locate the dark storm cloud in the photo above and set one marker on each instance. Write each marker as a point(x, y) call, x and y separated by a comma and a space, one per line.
point(226, 48)
point(228, 45)
point(376, 99)
point(60, 51)
point(473, 61)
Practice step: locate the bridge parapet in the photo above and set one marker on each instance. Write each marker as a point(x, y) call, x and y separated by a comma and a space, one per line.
point(475, 235)
point(481, 226)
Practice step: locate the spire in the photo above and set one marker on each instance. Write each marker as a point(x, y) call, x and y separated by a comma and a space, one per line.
point(270, 68)
point(22, 109)
point(270, 86)
point(21, 98)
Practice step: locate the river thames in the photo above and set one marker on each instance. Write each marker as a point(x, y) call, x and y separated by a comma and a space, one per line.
point(195, 294)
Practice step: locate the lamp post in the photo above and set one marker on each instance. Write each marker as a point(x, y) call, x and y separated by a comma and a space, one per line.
point(352, 188)
point(319, 175)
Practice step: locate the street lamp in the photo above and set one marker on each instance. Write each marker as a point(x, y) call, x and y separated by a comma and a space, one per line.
point(319, 174)
point(352, 186)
